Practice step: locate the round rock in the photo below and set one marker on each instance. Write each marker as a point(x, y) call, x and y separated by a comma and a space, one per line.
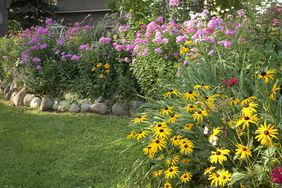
point(119, 109)
point(20, 97)
point(63, 106)
point(46, 105)
point(85, 106)
point(13, 98)
point(74, 108)
point(35, 102)
point(99, 108)
point(27, 99)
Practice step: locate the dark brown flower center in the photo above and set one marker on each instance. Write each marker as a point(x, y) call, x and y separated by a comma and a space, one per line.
point(247, 118)
point(244, 149)
point(206, 98)
point(263, 73)
point(185, 176)
point(266, 132)
point(185, 146)
point(166, 108)
point(191, 106)
point(224, 177)
point(246, 106)
point(200, 112)
point(161, 130)
point(171, 90)
point(190, 92)
point(218, 153)
point(171, 170)
point(157, 141)
point(159, 125)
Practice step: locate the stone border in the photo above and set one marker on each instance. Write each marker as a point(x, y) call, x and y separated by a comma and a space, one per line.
point(45, 104)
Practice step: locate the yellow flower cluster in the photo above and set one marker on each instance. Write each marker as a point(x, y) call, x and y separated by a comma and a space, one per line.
point(200, 119)
point(101, 69)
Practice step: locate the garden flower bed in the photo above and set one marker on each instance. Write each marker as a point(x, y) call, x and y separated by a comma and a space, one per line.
point(212, 87)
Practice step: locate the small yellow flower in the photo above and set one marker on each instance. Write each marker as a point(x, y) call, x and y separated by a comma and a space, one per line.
point(175, 140)
point(173, 118)
point(172, 172)
point(185, 177)
point(162, 132)
point(248, 100)
point(142, 134)
point(219, 156)
point(190, 108)
point(234, 101)
point(99, 65)
point(188, 42)
point(166, 111)
point(158, 126)
point(245, 120)
point(173, 160)
point(107, 71)
point(149, 150)
point(274, 89)
point(186, 146)
point(167, 185)
point(158, 144)
point(106, 66)
point(158, 173)
point(101, 76)
point(269, 74)
point(249, 109)
point(186, 161)
point(131, 135)
point(243, 151)
point(209, 170)
point(140, 119)
point(184, 50)
point(188, 126)
point(199, 115)
point(171, 93)
point(224, 177)
point(190, 95)
point(265, 134)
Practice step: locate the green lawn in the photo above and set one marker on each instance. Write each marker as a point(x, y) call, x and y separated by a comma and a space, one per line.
point(62, 150)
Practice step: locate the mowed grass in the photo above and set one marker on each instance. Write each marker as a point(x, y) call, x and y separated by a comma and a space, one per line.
point(62, 150)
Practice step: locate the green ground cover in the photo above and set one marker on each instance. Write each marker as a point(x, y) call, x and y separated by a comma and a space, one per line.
point(62, 150)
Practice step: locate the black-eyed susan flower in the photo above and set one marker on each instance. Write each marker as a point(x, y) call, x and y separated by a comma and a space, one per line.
point(224, 177)
point(199, 115)
point(142, 134)
point(266, 133)
point(161, 157)
point(131, 135)
point(245, 120)
point(190, 95)
point(219, 156)
point(158, 144)
point(149, 150)
point(190, 108)
point(204, 87)
point(273, 92)
point(209, 170)
point(186, 161)
point(101, 76)
point(167, 185)
point(173, 160)
point(188, 126)
point(214, 179)
point(185, 177)
point(167, 111)
point(139, 119)
point(248, 100)
point(173, 118)
point(175, 140)
point(171, 172)
point(243, 151)
point(162, 132)
point(266, 75)
point(249, 108)
point(234, 101)
point(186, 146)
point(159, 125)
point(158, 173)
point(171, 93)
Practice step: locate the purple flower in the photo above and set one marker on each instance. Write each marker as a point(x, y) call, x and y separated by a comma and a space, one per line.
point(180, 39)
point(25, 56)
point(119, 48)
point(160, 19)
point(186, 62)
point(275, 23)
point(38, 67)
point(36, 60)
point(49, 22)
point(60, 41)
point(158, 50)
point(173, 3)
point(75, 57)
point(276, 175)
point(43, 46)
point(225, 43)
point(84, 47)
point(34, 48)
point(105, 40)
point(41, 31)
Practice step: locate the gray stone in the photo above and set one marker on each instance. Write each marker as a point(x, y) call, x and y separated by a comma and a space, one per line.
point(56, 104)
point(13, 98)
point(35, 102)
point(99, 99)
point(46, 105)
point(27, 99)
point(74, 108)
point(99, 108)
point(119, 109)
point(85, 106)
point(7, 90)
point(63, 106)
point(134, 106)
point(20, 97)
